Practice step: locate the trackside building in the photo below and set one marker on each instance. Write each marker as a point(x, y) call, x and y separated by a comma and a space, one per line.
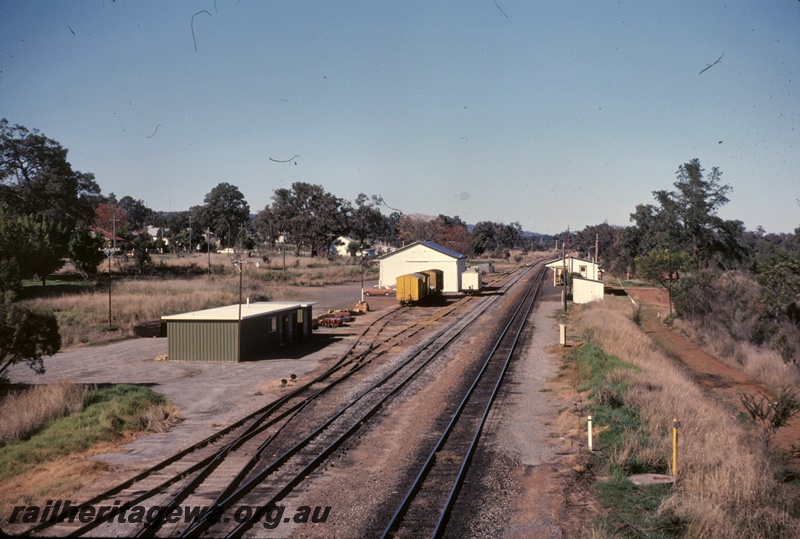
point(214, 334)
point(421, 256)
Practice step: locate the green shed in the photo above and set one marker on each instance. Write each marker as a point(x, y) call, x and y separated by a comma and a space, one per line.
point(213, 334)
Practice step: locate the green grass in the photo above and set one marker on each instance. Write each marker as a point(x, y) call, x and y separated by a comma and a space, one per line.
point(634, 509)
point(633, 284)
point(623, 443)
point(594, 366)
point(107, 413)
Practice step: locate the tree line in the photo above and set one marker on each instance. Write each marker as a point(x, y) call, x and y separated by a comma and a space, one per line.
point(717, 274)
point(50, 212)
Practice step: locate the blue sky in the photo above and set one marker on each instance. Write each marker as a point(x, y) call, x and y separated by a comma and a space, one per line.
point(546, 113)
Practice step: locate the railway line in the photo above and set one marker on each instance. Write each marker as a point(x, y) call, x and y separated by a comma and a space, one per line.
point(262, 458)
point(426, 508)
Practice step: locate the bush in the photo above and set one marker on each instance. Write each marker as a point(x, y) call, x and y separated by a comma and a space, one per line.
point(735, 302)
point(26, 335)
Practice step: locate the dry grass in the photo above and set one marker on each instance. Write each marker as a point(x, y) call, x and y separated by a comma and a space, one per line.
point(83, 316)
point(28, 411)
point(727, 487)
point(759, 362)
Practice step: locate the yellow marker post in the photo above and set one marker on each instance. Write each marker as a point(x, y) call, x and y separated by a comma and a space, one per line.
point(675, 425)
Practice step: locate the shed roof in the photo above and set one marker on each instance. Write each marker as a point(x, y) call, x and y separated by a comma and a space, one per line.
point(560, 261)
point(430, 245)
point(231, 312)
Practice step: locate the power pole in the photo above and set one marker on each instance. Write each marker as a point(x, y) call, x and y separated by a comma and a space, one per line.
point(239, 263)
point(208, 249)
point(597, 248)
point(113, 252)
point(564, 276)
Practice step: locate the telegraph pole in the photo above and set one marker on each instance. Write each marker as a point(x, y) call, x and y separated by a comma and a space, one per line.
point(208, 250)
point(597, 248)
point(110, 254)
point(362, 275)
point(239, 263)
point(564, 276)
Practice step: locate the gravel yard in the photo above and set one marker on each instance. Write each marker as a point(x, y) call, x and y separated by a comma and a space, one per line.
point(515, 492)
point(209, 395)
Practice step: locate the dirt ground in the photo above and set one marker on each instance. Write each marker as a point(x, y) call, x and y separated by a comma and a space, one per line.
point(720, 380)
point(209, 396)
point(536, 480)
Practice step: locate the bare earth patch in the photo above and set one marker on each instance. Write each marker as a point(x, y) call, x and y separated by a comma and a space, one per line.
point(722, 381)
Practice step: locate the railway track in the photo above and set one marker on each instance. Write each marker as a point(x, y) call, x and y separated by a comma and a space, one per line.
point(215, 471)
point(428, 503)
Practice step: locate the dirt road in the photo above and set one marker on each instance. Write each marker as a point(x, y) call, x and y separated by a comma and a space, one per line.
point(722, 381)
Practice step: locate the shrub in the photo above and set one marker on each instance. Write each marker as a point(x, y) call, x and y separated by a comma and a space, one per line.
point(726, 486)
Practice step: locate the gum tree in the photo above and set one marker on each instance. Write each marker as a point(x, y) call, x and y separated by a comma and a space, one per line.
point(686, 219)
point(664, 267)
point(225, 212)
point(26, 335)
point(42, 198)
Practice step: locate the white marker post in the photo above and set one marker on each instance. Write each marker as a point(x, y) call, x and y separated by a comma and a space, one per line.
point(590, 433)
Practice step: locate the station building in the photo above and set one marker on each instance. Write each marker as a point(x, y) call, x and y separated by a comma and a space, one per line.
point(585, 268)
point(587, 284)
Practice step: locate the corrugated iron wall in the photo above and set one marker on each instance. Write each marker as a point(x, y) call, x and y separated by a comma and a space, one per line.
point(210, 340)
point(202, 340)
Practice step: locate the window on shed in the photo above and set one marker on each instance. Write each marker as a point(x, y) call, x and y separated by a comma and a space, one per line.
point(271, 324)
point(299, 316)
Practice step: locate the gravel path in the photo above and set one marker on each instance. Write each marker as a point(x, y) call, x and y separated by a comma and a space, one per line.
point(516, 488)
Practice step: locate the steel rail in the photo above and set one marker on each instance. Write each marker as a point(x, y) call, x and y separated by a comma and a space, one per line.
point(419, 480)
point(256, 418)
point(206, 520)
point(452, 497)
point(257, 425)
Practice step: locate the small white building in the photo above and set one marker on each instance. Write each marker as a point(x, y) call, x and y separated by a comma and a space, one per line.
point(341, 246)
point(585, 268)
point(471, 281)
point(421, 256)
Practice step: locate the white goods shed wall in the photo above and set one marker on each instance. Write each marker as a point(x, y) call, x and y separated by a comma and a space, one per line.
point(420, 258)
point(586, 290)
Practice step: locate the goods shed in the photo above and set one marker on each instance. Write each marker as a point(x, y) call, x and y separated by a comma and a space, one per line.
point(214, 334)
point(422, 256)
